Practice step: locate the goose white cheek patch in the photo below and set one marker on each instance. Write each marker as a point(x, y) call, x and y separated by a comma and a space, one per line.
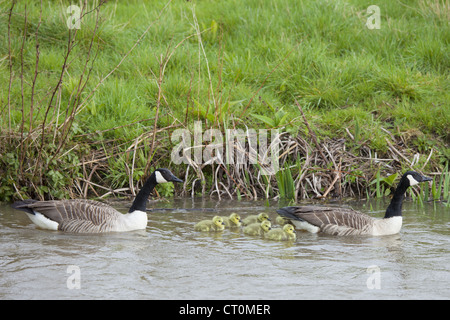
point(159, 177)
point(412, 181)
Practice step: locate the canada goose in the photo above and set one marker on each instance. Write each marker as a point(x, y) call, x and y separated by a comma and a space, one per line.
point(343, 221)
point(282, 234)
point(216, 224)
point(258, 228)
point(233, 221)
point(255, 218)
point(88, 216)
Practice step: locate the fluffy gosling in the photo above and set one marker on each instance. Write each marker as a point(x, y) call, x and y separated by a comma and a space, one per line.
point(282, 221)
point(216, 224)
point(287, 233)
point(233, 221)
point(258, 228)
point(255, 218)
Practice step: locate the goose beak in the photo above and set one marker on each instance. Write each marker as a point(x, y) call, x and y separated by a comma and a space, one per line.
point(426, 179)
point(175, 179)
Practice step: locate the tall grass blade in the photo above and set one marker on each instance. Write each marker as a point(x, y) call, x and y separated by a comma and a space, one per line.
point(285, 183)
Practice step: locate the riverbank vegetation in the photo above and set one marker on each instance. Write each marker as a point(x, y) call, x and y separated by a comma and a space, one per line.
point(89, 112)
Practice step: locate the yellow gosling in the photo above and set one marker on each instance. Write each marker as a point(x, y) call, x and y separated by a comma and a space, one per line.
point(279, 234)
point(216, 224)
point(258, 228)
point(233, 221)
point(255, 218)
point(282, 221)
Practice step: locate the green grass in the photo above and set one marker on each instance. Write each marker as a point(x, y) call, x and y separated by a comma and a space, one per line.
point(347, 78)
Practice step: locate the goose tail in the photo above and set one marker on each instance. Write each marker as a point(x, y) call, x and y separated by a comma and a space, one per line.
point(23, 205)
point(289, 213)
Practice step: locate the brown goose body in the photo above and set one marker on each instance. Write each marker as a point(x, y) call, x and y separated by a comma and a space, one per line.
point(88, 216)
point(80, 216)
point(338, 221)
point(346, 221)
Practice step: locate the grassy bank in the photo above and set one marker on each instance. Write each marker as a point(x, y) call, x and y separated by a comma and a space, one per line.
point(88, 112)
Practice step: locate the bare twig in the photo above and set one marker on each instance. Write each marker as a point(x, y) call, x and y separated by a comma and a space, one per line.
point(10, 65)
point(22, 125)
point(36, 68)
point(311, 132)
point(391, 147)
point(83, 104)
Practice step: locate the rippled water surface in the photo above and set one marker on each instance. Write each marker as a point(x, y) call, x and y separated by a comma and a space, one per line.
point(169, 260)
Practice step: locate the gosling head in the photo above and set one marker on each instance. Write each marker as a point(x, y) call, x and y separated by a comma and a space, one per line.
point(263, 216)
point(235, 219)
point(411, 178)
point(282, 220)
point(163, 175)
point(289, 228)
point(218, 221)
point(266, 225)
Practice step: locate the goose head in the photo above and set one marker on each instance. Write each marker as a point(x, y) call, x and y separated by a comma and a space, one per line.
point(266, 225)
point(163, 175)
point(235, 219)
point(263, 216)
point(411, 178)
point(289, 228)
point(218, 221)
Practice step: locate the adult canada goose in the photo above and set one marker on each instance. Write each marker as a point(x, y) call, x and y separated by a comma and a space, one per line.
point(216, 224)
point(344, 221)
point(282, 234)
point(258, 228)
point(255, 218)
point(88, 216)
point(233, 221)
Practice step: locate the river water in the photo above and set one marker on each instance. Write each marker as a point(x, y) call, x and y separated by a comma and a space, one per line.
point(169, 260)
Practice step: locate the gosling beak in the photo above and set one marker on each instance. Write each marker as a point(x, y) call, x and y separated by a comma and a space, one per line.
point(223, 223)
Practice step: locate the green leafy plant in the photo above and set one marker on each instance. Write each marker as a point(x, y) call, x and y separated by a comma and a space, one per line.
point(165, 189)
point(277, 119)
point(286, 185)
point(383, 184)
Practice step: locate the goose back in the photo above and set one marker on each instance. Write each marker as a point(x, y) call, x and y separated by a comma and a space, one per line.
point(329, 220)
point(345, 221)
point(83, 216)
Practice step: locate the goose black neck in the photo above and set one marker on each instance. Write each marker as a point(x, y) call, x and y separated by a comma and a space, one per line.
point(395, 207)
point(140, 202)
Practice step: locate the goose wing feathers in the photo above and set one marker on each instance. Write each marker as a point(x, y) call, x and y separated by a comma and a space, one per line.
point(331, 220)
point(76, 215)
